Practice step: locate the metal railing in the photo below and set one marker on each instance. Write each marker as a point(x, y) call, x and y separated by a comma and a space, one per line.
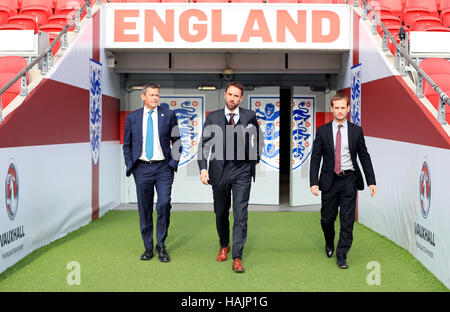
point(46, 56)
point(402, 58)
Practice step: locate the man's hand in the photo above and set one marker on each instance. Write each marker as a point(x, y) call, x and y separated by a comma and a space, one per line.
point(315, 190)
point(373, 190)
point(204, 176)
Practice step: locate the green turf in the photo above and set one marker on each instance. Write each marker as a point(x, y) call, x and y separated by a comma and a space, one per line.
point(284, 252)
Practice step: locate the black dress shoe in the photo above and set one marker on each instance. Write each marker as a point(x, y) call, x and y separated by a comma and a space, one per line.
point(147, 255)
point(342, 265)
point(329, 251)
point(162, 252)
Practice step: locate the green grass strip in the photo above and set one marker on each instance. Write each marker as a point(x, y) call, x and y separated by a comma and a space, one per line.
point(284, 252)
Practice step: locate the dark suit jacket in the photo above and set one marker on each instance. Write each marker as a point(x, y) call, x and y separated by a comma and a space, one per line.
point(168, 132)
point(210, 139)
point(323, 147)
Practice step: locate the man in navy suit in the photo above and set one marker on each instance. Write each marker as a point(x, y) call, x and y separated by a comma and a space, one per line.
point(338, 143)
point(149, 157)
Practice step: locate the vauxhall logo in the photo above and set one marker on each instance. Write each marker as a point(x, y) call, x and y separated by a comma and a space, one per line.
point(12, 190)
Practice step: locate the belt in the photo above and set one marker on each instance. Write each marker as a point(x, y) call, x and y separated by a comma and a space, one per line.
point(344, 173)
point(151, 162)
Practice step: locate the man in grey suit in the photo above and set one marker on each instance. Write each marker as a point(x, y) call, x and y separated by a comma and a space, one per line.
point(233, 142)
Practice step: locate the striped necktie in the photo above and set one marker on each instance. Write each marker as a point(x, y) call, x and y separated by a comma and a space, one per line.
point(232, 119)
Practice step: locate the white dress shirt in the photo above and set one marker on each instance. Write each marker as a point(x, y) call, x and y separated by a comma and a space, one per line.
point(236, 114)
point(346, 160)
point(157, 150)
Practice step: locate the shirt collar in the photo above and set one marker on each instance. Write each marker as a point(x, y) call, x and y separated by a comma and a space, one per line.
point(227, 111)
point(335, 124)
point(146, 110)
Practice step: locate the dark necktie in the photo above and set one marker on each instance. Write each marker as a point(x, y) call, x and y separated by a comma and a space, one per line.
point(337, 151)
point(231, 122)
point(149, 138)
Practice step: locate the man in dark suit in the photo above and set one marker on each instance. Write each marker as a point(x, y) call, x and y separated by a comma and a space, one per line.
point(233, 137)
point(338, 143)
point(149, 157)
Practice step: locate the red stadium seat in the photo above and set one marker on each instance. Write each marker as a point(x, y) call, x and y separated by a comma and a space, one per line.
point(394, 30)
point(51, 37)
point(445, 4)
point(51, 27)
point(37, 3)
point(445, 17)
point(13, 91)
point(427, 4)
point(66, 6)
point(389, 20)
point(436, 28)
point(62, 19)
point(283, 1)
point(29, 21)
point(391, 45)
point(422, 21)
point(210, 1)
point(12, 27)
point(174, 1)
point(3, 18)
point(41, 13)
point(395, 6)
point(7, 8)
point(443, 81)
point(9, 5)
point(247, 1)
point(317, 1)
point(10, 66)
point(349, 2)
point(435, 65)
point(141, 1)
point(410, 13)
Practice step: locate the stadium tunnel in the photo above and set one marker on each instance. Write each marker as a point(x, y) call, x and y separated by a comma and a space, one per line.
point(283, 80)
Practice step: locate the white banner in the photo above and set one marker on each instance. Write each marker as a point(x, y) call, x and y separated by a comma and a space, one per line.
point(95, 108)
point(303, 129)
point(237, 26)
point(355, 89)
point(14, 231)
point(267, 110)
point(190, 113)
point(411, 206)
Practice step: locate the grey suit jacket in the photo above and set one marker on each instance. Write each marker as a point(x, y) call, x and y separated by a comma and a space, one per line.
point(213, 151)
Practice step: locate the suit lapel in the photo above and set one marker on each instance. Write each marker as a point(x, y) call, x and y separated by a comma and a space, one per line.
point(350, 136)
point(139, 117)
point(330, 136)
point(161, 116)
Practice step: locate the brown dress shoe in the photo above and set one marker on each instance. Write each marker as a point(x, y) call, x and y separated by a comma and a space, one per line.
point(222, 256)
point(237, 266)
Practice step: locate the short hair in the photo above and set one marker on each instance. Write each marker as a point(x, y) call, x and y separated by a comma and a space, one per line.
point(237, 85)
point(150, 85)
point(340, 96)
